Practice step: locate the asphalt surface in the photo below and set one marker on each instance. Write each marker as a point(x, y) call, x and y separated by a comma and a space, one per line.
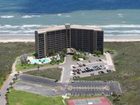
point(38, 80)
point(48, 87)
point(38, 89)
point(94, 88)
point(65, 78)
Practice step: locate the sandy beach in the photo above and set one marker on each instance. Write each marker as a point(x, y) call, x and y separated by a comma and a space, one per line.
point(121, 38)
point(15, 38)
point(6, 39)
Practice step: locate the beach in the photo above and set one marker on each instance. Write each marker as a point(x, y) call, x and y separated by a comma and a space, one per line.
point(31, 38)
point(122, 38)
point(16, 38)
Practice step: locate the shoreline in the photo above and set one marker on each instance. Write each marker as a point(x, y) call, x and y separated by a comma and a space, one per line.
point(6, 39)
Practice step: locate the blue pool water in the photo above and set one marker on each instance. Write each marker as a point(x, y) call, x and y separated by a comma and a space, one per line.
point(40, 61)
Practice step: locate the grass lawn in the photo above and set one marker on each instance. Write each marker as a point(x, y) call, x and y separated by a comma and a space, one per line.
point(52, 73)
point(127, 63)
point(26, 67)
point(8, 53)
point(23, 98)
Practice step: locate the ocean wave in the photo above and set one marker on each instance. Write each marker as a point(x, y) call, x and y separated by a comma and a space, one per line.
point(30, 16)
point(20, 29)
point(40, 25)
point(108, 30)
point(29, 26)
point(59, 14)
point(8, 26)
point(7, 16)
point(120, 15)
point(21, 26)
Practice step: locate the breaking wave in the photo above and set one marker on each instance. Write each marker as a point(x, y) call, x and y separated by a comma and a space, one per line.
point(109, 30)
point(7, 16)
point(30, 16)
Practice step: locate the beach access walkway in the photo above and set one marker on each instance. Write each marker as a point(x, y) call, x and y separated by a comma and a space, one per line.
point(109, 61)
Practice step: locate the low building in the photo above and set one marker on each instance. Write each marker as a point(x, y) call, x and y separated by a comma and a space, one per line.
point(57, 38)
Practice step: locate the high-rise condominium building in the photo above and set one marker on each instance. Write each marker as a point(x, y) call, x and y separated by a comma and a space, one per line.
point(57, 38)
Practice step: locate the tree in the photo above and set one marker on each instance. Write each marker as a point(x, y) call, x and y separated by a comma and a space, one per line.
point(116, 98)
point(52, 52)
point(53, 60)
point(64, 51)
point(98, 53)
point(35, 54)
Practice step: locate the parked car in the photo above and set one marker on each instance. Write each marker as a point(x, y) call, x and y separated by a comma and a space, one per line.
point(73, 66)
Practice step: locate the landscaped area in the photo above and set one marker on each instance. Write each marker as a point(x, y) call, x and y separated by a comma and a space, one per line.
point(126, 59)
point(79, 55)
point(25, 67)
point(52, 73)
point(23, 98)
point(23, 62)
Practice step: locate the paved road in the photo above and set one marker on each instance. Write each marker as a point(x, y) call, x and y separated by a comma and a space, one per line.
point(65, 77)
point(6, 85)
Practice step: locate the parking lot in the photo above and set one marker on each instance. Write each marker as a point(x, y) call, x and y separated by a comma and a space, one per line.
point(89, 69)
point(37, 89)
point(38, 80)
point(47, 87)
point(94, 88)
point(39, 85)
point(92, 66)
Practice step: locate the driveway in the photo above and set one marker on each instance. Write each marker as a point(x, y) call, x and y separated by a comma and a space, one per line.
point(65, 77)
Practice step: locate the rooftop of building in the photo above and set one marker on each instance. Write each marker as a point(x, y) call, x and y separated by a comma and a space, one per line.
point(67, 26)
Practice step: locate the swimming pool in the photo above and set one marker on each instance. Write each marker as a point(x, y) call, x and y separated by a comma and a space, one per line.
point(40, 61)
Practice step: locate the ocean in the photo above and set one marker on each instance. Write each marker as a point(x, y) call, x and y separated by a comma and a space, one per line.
point(23, 17)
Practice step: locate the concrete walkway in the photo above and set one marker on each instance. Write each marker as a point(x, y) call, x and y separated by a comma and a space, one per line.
point(6, 85)
point(109, 61)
